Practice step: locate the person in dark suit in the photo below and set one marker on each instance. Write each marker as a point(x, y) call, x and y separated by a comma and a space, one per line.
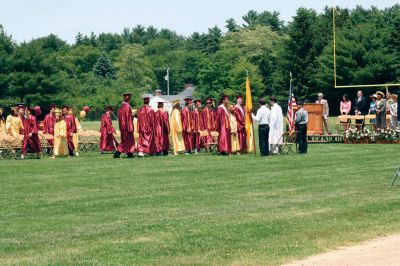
point(301, 126)
point(360, 108)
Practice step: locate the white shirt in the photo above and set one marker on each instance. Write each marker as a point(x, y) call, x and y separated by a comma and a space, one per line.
point(263, 116)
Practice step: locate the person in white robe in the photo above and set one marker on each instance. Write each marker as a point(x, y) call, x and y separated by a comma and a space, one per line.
point(275, 126)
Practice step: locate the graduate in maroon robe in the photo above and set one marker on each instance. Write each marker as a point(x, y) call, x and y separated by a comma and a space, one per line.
point(31, 141)
point(240, 118)
point(71, 128)
point(107, 131)
point(197, 126)
point(161, 121)
point(223, 127)
point(125, 122)
point(208, 120)
point(187, 125)
point(49, 122)
point(146, 144)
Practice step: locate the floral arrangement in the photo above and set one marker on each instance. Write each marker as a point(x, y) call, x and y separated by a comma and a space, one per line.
point(354, 135)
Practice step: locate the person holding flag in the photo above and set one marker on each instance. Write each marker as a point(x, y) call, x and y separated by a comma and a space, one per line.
point(263, 120)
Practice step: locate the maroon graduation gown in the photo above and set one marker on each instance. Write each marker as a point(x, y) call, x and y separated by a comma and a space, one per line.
point(107, 132)
point(187, 128)
point(208, 123)
point(146, 130)
point(71, 128)
point(161, 131)
point(48, 126)
point(31, 127)
point(241, 127)
point(224, 130)
point(197, 127)
point(125, 122)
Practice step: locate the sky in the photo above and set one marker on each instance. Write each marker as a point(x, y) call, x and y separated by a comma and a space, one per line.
point(28, 19)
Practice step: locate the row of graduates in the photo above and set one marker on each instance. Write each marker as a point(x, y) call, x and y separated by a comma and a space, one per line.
point(149, 131)
point(60, 127)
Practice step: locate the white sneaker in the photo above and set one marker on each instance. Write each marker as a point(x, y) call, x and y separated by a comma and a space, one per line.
point(141, 154)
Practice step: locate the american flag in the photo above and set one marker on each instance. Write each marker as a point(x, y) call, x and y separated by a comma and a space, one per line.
point(291, 107)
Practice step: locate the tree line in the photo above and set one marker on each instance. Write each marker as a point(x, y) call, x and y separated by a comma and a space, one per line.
point(96, 69)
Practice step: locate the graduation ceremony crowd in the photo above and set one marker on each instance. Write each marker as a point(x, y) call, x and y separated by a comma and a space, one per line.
point(187, 129)
point(190, 128)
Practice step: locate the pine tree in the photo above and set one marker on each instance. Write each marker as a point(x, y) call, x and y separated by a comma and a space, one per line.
point(78, 39)
point(104, 68)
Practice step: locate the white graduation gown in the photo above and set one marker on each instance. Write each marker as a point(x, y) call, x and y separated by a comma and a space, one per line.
point(275, 127)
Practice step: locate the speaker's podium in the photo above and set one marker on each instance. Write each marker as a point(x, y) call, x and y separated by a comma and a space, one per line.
point(314, 126)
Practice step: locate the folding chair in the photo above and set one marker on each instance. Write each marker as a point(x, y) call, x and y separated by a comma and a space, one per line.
point(15, 146)
point(342, 123)
point(3, 147)
point(212, 145)
point(287, 144)
point(369, 121)
point(44, 141)
point(357, 118)
point(290, 144)
point(397, 174)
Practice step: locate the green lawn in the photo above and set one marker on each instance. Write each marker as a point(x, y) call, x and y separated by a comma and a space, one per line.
point(196, 209)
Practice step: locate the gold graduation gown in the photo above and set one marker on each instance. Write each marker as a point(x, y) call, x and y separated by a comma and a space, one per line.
point(2, 127)
point(14, 126)
point(60, 139)
point(175, 124)
point(234, 136)
point(75, 136)
point(135, 131)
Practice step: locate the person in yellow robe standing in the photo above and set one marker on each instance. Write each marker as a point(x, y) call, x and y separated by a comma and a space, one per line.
point(14, 124)
point(176, 129)
point(2, 123)
point(60, 136)
point(135, 128)
point(234, 126)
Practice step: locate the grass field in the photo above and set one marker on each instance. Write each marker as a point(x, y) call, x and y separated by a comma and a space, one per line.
point(196, 209)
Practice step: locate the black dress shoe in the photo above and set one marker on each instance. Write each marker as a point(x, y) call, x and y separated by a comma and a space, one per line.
point(117, 154)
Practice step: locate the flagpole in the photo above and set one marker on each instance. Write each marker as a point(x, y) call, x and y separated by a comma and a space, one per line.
point(167, 79)
point(252, 126)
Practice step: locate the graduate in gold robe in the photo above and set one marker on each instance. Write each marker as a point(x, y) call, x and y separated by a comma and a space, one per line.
point(14, 124)
point(176, 128)
point(2, 123)
point(135, 127)
point(60, 136)
point(234, 126)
